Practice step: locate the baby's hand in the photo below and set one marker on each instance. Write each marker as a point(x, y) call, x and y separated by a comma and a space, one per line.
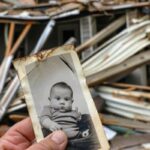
point(78, 114)
point(54, 126)
point(71, 132)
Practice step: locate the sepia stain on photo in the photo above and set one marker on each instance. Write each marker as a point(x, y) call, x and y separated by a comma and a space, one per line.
point(58, 99)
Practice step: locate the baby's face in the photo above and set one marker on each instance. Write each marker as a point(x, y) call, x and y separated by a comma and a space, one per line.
point(61, 99)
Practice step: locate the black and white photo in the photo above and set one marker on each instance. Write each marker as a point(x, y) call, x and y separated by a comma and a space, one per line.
point(58, 98)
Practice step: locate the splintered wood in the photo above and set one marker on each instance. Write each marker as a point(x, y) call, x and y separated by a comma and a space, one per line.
point(127, 100)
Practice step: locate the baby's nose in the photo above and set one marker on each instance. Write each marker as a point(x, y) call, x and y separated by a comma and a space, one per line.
point(62, 101)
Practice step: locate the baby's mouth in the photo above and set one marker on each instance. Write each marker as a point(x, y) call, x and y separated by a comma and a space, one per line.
point(62, 107)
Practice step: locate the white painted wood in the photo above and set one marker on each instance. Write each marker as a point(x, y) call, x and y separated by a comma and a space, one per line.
point(119, 91)
point(124, 101)
point(128, 114)
point(128, 108)
point(124, 47)
point(87, 31)
point(4, 70)
point(112, 51)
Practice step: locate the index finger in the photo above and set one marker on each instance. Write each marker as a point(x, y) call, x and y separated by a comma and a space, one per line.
point(22, 129)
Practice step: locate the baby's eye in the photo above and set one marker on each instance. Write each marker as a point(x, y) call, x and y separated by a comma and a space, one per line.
point(66, 99)
point(58, 98)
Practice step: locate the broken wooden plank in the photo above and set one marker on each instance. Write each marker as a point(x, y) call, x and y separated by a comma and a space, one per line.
point(20, 39)
point(102, 34)
point(67, 14)
point(127, 114)
point(16, 108)
point(17, 117)
point(4, 6)
point(127, 85)
point(119, 52)
point(120, 69)
point(124, 122)
point(71, 40)
point(123, 37)
point(4, 68)
point(124, 101)
point(120, 142)
point(7, 98)
point(117, 91)
point(128, 108)
point(20, 2)
point(14, 85)
point(8, 58)
point(105, 8)
point(65, 8)
point(10, 39)
point(44, 36)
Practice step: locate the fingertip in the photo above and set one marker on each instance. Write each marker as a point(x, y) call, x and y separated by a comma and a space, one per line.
point(59, 137)
point(55, 141)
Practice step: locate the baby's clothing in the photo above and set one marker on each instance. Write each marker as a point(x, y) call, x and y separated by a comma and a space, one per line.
point(67, 120)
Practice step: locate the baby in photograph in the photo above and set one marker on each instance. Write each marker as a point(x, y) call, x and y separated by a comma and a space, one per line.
point(59, 114)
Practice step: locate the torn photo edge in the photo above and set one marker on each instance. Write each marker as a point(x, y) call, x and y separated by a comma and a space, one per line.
point(20, 64)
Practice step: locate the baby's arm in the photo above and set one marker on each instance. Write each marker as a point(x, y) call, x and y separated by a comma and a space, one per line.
point(77, 114)
point(49, 124)
point(46, 120)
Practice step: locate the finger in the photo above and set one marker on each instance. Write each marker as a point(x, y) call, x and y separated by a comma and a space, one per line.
point(52, 129)
point(55, 141)
point(79, 114)
point(76, 109)
point(21, 132)
point(55, 129)
point(58, 127)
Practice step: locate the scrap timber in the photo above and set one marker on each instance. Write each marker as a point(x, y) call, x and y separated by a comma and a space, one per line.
point(129, 101)
point(124, 122)
point(33, 11)
point(14, 85)
point(124, 45)
point(118, 49)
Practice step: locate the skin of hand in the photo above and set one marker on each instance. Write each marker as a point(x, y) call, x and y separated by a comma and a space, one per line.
point(51, 125)
point(21, 137)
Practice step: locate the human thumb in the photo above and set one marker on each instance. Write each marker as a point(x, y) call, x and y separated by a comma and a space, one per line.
point(55, 141)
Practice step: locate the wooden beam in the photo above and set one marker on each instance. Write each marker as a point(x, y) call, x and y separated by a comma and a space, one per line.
point(118, 91)
point(128, 108)
point(10, 38)
point(123, 142)
point(127, 114)
point(126, 85)
point(102, 34)
point(130, 5)
point(20, 39)
point(126, 66)
point(124, 122)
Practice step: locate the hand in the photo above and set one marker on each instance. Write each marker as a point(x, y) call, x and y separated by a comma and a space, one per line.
point(71, 132)
point(54, 126)
point(21, 137)
point(78, 114)
point(50, 125)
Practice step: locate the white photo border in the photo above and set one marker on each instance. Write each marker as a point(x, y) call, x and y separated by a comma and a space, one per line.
point(67, 49)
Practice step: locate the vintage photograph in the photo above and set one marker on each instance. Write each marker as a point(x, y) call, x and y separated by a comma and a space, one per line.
point(59, 99)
